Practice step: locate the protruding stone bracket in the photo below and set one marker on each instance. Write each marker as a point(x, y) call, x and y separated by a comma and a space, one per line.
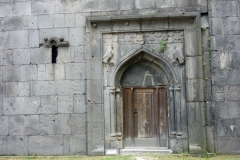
point(54, 41)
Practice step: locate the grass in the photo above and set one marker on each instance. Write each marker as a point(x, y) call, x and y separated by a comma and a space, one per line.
point(129, 157)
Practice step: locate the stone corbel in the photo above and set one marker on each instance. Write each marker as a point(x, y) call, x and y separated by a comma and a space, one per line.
point(107, 57)
point(54, 41)
point(178, 57)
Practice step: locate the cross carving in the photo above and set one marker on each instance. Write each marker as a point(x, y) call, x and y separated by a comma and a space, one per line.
point(145, 106)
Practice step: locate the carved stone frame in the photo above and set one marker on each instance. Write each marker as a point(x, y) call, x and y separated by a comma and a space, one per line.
point(191, 108)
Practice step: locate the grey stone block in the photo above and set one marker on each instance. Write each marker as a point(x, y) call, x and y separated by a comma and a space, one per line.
point(21, 56)
point(79, 54)
point(126, 4)
point(78, 124)
point(28, 72)
point(12, 23)
point(16, 124)
point(4, 43)
point(95, 113)
point(31, 125)
point(94, 91)
point(21, 105)
point(43, 145)
point(194, 67)
point(18, 39)
point(23, 89)
point(236, 59)
point(45, 21)
point(40, 56)
point(144, 4)
point(17, 145)
point(194, 113)
point(62, 124)
point(2, 89)
point(7, 57)
point(1, 75)
point(65, 104)
point(66, 144)
point(59, 20)
point(70, 6)
point(41, 71)
point(228, 42)
point(65, 55)
point(191, 40)
point(4, 124)
point(70, 87)
point(225, 76)
point(33, 38)
point(237, 122)
point(95, 138)
point(108, 5)
point(210, 139)
point(6, 9)
point(22, 8)
point(11, 89)
point(3, 145)
point(94, 69)
point(49, 104)
point(79, 104)
point(41, 88)
point(223, 8)
point(30, 22)
point(43, 7)
point(76, 39)
point(55, 72)
point(11, 73)
point(1, 106)
point(228, 109)
point(195, 90)
point(80, 20)
point(216, 26)
point(78, 145)
point(231, 25)
point(230, 124)
point(91, 5)
point(226, 145)
point(47, 124)
point(222, 60)
point(75, 71)
point(70, 19)
point(166, 3)
point(1, 24)
point(60, 32)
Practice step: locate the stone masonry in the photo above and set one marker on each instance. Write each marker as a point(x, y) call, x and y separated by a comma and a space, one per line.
point(61, 108)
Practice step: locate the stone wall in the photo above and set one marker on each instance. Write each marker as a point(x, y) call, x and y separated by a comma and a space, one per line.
point(44, 107)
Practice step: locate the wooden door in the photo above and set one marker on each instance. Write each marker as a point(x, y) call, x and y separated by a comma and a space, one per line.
point(145, 117)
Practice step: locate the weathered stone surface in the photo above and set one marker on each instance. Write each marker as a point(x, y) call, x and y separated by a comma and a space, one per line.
point(223, 8)
point(80, 20)
point(91, 5)
point(6, 9)
point(49, 104)
point(21, 56)
point(21, 105)
point(70, 87)
point(18, 39)
point(216, 26)
point(49, 33)
point(40, 56)
point(228, 145)
point(236, 59)
point(55, 72)
point(144, 4)
point(30, 22)
point(43, 7)
point(28, 72)
point(94, 69)
point(41, 71)
point(31, 125)
point(77, 144)
point(2, 89)
point(11, 89)
point(231, 25)
point(76, 39)
point(17, 145)
point(11, 73)
point(65, 104)
point(222, 60)
point(62, 124)
point(1, 106)
point(195, 90)
point(227, 42)
point(65, 55)
point(194, 67)
point(126, 4)
point(45, 21)
point(4, 124)
point(43, 145)
point(3, 145)
point(12, 23)
point(33, 38)
point(79, 54)
point(237, 122)
point(4, 40)
point(70, 6)
point(225, 76)
point(228, 109)
point(7, 57)
point(75, 71)
point(23, 89)
point(109, 5)
point(22, 8)
point(59, 20)
point(47, 124)
point(66, 144)
point(94, 91)
point(78, 124)
point(79, 104)
point(95, 113)
point(16, 124)
point(40, 88)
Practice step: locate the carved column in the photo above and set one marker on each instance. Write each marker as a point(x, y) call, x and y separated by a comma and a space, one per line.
point(118, 114)
point(112, 112)
point(172, 111)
